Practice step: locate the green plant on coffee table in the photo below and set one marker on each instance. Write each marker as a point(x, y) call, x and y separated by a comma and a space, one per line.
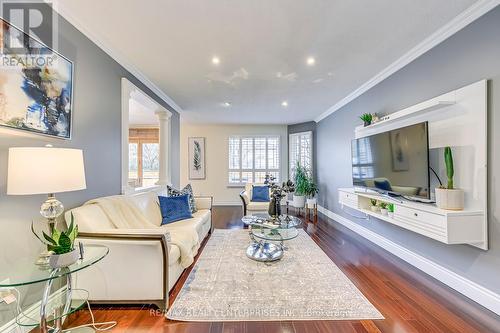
point(366, 118)
point(390, 207)
point(59, 242)
point(373, 202)
point(382, 205)
point(301, 180)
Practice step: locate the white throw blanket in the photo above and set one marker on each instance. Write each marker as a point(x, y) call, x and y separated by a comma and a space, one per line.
point(124, 214)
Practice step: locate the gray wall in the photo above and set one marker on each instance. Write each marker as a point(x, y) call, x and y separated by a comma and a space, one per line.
point(305, 127)
point(469, 56)
point(96, 130)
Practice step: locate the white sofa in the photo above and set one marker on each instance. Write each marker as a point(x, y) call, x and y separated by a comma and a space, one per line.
point(250, 207)
point(143, 264)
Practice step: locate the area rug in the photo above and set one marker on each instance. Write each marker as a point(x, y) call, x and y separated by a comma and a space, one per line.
point(305, 284)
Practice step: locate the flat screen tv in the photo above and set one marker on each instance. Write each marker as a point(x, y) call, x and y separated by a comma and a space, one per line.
point(394, 162)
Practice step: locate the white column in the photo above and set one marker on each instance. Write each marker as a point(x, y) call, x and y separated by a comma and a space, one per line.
point(164, 119)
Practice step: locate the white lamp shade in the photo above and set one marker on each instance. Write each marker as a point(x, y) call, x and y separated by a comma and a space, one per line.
point(41, 170)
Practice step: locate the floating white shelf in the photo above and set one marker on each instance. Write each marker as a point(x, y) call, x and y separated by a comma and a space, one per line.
point(446, 226)
point(419, 109)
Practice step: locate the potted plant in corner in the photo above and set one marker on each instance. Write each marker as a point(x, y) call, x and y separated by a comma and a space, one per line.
point(301, 185)
point(61, 245)
point(311, 191)
point(449, 197)
point(367, 119)
point(374, 207)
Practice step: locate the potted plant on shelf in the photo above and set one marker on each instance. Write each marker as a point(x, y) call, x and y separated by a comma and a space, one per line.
point(449, 197)
point(390, 209)
point(374, 207)
point(311, 191)
point(301, 184)
point(61, 245)
point(383, 208)
point(367, 119)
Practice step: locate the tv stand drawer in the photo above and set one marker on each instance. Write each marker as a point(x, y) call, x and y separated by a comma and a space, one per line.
point(348, 199)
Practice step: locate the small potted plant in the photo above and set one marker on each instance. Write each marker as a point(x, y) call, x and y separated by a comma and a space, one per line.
point(374, 207)
point(367, 119)
point(311, 191)
point(449, 197)
point(301, 185)
point(390, 209)
point(61, 245)
point(383, 208)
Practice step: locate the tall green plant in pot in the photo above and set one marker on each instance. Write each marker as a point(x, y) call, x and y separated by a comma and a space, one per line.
point(301, 185)
point(449, 197)
point(311, 191)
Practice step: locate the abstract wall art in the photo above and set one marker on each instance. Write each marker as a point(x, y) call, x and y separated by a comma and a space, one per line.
point(196, 162)
point(36, 85)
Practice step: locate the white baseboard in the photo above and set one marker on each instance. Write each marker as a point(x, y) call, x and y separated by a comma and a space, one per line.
point(466, 287)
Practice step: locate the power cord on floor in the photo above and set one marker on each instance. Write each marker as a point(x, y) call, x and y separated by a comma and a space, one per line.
point(93, 324)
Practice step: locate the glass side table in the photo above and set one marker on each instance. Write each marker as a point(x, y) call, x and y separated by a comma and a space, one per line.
point(268, 235)
point(53, 307)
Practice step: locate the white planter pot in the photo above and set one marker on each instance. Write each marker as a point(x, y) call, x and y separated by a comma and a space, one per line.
point(450, 199)
point(383, 211)
point(390, 214)
point(299, 201)
point(374, 209)
point(64, 260)
point(311, 202)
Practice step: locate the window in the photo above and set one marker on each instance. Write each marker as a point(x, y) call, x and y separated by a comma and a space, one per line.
point(301, 150)
point(252, 158)
point(143, 155)
point(362, 160)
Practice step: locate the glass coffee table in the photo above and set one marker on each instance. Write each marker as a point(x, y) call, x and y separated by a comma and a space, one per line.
point(269, 234)
point(54, 306)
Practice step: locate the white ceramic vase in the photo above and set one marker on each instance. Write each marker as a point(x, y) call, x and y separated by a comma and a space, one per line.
point(299, 201)
point(65, 259)
point(311, 202)
point(390, 214)
point(374, 209)
point(450, 199)
point(383, 211)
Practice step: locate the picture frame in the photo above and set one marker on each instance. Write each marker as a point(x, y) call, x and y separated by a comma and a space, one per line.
point(37, 95)
point(196, 158)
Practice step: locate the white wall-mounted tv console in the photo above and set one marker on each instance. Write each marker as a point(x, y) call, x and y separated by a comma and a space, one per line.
point(457, 119)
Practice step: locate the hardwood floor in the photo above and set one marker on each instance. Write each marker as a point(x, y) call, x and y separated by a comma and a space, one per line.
point(410, 300)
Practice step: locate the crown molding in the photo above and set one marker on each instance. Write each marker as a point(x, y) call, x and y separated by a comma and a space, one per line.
point(458, 23)
point(115, 54)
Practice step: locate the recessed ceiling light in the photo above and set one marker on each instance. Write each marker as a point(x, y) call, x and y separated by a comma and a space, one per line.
point(284, 104)
point(215, 60)
point(311, 61)
point(226, 104)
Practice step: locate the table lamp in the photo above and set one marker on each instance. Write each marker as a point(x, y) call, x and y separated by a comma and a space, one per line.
point(45, 170)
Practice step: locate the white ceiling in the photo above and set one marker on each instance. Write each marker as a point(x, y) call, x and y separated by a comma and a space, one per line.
point(263, 46)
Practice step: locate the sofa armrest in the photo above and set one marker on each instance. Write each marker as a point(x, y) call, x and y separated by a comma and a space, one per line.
point(244, 200)
point(204, 202)
point(136, 237)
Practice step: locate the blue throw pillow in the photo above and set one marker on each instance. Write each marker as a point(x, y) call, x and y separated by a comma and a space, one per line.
point(174, 208)
point(260, 193)
point(383, 185)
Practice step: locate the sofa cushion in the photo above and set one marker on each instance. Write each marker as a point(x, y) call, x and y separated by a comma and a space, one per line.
point(258, 206)
point(90, 218)
point(172, 192)
point(175, 208)
point(147, 203)
point(260, 193)
point(249, 186)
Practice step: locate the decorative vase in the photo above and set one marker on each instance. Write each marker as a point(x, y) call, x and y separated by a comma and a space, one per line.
point(450, 199)
point(374, 209)
point(274, 208)
point(367, 123)
point(383, 211)
point(64, 260)
point(390, 214)
point(299, 201)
